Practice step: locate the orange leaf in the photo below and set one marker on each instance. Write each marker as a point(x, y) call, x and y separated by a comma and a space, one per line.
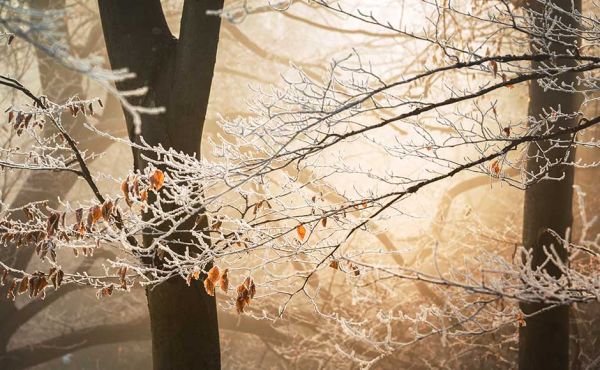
point(125, 191)
point(214, 274)
point(96, 213)
point(209, 286)
point(301, 230)
point(107, 209)
point(495, 167)
point(157, 179)
point(239, 305)
point(224, 281)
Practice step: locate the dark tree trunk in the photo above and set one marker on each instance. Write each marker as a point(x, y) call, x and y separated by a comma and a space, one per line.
point(178, 74)
point(544, 341)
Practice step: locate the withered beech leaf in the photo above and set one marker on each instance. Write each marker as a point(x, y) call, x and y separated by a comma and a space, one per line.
point(242, 298)
point(246, 292)
point(122, 273)
point(224, 281)
point(105, 292)
point(10, 294)
point(214, 274)
point(107, 210)
point(334, 264)
point(96, 212)
point(324, 221)
point(52, 223)
point(4, 277)
point(495, 167)
point(209, 286)
point(157, 179)
point(90, 220)
point(125, 191)
point(301, 231)
point(136, 186)
point(239, 305)
point(23, 285)
point(252, 289)
point(59, 277)
point(79, 215)
point(494, 67)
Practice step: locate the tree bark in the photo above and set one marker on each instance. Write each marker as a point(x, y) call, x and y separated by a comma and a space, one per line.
point(178, 74)
point(544, 340)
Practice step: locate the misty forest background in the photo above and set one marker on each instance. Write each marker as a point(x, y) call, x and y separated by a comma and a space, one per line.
point(74, 329)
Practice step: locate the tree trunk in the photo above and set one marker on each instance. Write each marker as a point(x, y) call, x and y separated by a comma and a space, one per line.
point(544, 340)
point(178, 74)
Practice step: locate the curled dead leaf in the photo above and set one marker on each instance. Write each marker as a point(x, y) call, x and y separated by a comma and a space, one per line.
point(125, 191)
point(224, 281)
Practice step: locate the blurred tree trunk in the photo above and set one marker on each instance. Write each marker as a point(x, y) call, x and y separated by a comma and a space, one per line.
point(178, 74)
point(544, 341)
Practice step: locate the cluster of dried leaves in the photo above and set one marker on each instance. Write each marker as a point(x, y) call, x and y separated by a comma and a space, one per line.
point(22, 121)
point(137, 188)
point(217, 278)
point(76, 106)
point(34, 283)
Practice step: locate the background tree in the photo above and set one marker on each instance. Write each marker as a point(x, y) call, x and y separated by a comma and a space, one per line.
point(544, 341)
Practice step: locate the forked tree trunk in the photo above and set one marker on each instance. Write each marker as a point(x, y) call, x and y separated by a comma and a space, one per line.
point(544, 341)
point(178, 74)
